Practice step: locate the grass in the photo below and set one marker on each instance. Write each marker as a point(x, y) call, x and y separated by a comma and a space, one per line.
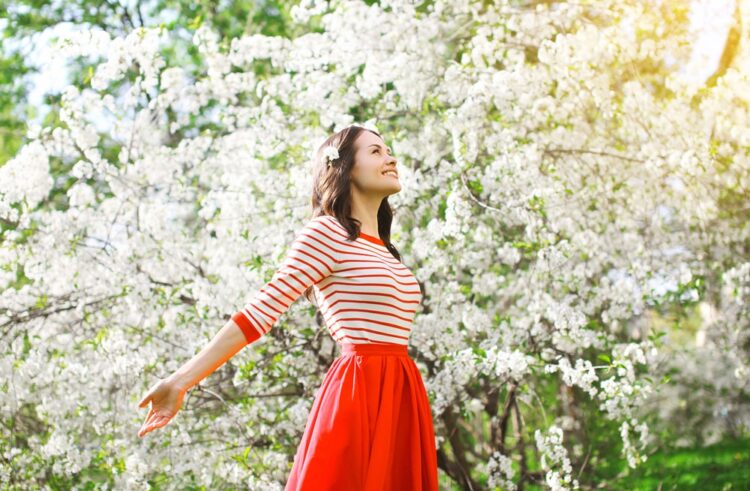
point(723, 466)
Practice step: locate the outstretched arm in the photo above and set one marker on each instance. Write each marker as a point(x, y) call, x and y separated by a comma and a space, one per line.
point(312, 257)
point(224, 345)
point(167, 394)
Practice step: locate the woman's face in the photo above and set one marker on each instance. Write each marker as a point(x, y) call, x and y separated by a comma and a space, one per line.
point(374, 170)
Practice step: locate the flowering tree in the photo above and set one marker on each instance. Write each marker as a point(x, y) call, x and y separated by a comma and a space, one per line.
point(562, 188)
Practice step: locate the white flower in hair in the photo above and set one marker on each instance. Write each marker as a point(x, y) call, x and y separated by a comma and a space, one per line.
point(330, 153)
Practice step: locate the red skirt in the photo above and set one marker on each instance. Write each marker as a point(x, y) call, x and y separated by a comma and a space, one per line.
point(370, 426)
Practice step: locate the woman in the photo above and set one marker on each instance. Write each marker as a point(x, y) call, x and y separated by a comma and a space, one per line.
point(370, 426)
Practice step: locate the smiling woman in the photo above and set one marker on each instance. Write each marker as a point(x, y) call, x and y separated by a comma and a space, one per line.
point(370, 426)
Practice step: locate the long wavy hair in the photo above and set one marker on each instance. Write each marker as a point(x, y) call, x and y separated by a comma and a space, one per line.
point(331, 190)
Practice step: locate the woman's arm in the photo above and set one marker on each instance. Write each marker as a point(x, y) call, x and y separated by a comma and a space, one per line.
point(311, 258)
point(224, 345)
point(167, 394)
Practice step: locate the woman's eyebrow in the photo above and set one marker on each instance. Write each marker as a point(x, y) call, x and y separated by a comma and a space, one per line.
point(378, 145)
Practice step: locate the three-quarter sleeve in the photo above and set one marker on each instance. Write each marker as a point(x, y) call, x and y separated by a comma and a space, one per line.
point(311, 258)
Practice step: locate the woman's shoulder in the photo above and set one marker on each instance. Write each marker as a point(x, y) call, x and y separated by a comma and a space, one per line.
point(324, 219)
point(327, 225)
point(324, 223)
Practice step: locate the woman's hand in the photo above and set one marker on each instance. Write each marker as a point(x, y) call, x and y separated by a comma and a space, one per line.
point(166, 398)
point(167, 394)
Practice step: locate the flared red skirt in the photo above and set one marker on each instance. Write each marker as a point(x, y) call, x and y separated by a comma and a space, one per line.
point(370, 427)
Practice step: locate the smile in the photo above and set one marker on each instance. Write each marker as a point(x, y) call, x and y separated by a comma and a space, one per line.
point(391, 173)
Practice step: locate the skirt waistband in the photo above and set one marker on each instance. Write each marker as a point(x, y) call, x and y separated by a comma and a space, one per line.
point(374, 349)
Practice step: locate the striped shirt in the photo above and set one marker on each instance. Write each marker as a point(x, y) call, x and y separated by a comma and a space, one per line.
point(364, 293)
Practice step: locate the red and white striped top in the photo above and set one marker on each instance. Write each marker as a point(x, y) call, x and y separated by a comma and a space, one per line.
point(364, 293)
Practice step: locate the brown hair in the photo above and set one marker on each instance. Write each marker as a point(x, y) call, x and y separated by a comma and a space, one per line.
point(331, 193)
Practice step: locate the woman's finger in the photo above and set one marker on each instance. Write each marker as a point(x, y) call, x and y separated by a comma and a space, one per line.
point(157, 419)
point(147, 423)
point(143, 431)
point(156, 423)
point(145, 399)
point(150, 414)
point(146, 428)
point(154, 417)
